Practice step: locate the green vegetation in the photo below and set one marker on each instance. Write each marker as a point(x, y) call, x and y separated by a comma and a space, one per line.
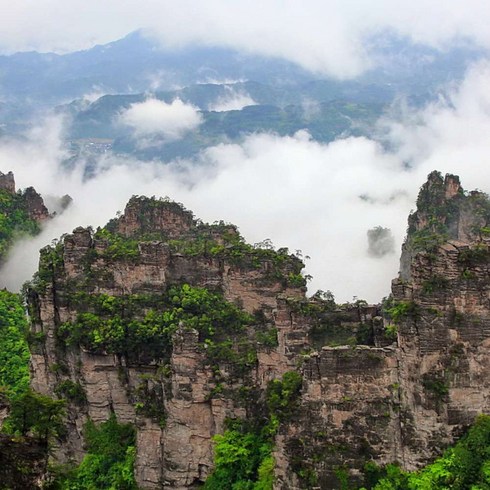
point(34, 420)
point(35, 414)
point(428, 240)
point(391, 331)
point(475, 256)
point(435, 385)
point(243, 459)
point(14, 353)
point(268, 337)
point(462, 467)
point(119, 247)
point(71, 391)
point(221, 240)
point(437, 213)
point(150, 398)
point(14, 220)
point(50, 263)
point(435, 284)
point(142, 326)
point(437, 216)
point(397, 311)
point(243, 454)
point(282, 395)
point(109, 462)
point(334, 324)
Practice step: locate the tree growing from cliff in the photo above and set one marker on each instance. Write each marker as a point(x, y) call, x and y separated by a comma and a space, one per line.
point(34, 414)
point(14, 220)
point(14, 353)
point(462, 467)
point(109, 462)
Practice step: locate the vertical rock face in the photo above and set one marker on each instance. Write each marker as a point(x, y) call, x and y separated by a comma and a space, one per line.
point(174, 440)
point(7, 182)
point(36, 209)
point(444, 328)
point(21, 213)
point(398, 391)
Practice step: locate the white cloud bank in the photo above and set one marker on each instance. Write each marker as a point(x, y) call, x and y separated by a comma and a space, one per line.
point(326, 36)
point(295, 191)
point(156, 118)
point(232, 101)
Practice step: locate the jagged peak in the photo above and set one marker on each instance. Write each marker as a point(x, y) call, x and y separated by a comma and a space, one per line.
point(144, 215)
point(7, 182)
point(445, 212)
point(438, 189)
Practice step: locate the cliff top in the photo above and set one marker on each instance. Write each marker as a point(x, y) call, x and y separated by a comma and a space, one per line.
point(7, 182)
point(145, 215)
point(445, 211)
point(21, 212)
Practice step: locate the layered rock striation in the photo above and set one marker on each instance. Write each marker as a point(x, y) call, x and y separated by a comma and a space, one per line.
point(21, 212)
point(179, 327)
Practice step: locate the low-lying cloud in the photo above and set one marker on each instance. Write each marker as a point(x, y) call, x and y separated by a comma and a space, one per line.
point(319, 198)
point(232, 101)
point(156, 118)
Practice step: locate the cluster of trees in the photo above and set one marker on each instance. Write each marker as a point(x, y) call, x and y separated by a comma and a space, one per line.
point(14, 220)
point(243, 454)
point(466, 466)
point(108, 464)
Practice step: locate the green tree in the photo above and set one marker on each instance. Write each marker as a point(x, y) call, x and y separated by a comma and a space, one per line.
point(14, 352)
point(36, 414)
point(109, 462)
point(464, 466)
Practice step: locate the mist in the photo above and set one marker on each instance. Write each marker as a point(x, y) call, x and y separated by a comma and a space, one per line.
point(154, 118)
point(318, 198)
point(233, 100)
point(329, 37)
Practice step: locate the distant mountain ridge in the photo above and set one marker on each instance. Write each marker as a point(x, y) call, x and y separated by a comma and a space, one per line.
point(135, 64)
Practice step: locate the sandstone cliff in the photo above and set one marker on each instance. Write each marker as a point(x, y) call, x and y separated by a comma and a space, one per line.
point(21, 213)
point(117, 329)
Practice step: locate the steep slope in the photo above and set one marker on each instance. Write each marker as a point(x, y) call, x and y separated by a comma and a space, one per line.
point(185, 331)
point(157, 285)
point(441, 301)
point(21, 213)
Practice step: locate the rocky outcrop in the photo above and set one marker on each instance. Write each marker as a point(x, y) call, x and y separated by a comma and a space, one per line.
point(22, 463)
point(175, 446)
point(22, 213)
point(398, 388)
point(32, 202)
point(444, 332)
point(7, 182)
point(35, 207)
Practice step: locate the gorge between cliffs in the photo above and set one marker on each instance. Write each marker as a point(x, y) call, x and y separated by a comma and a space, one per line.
point(205, 355)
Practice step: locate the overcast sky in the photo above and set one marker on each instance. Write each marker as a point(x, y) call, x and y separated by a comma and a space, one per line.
point(298, 192)
point(323, 35)
point(320, 198)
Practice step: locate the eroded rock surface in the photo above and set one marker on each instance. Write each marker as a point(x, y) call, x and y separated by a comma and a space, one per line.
point(398, 388)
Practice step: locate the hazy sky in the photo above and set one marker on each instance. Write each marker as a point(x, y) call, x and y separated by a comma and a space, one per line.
point(295, 191)
point(323, 35)
point(298, 192)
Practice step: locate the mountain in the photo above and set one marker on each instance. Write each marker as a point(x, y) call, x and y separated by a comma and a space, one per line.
point(32, 82)
point(131, 64)
point(289, 111)
point(196, 358)
point(21, 213)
